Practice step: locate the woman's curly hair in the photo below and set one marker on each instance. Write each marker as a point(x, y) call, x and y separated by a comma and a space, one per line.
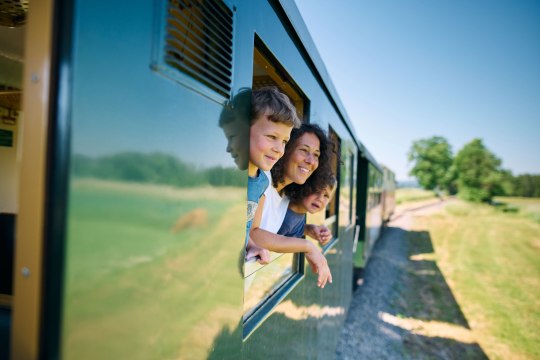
point(327, 149)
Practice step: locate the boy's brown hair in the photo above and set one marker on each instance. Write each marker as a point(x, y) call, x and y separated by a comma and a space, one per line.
point(277, 103)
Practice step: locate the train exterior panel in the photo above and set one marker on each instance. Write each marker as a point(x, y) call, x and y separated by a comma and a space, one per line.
point(134, 242)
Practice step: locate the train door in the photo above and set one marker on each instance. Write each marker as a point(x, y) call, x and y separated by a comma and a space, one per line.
point(340, 217)
point(348, 223)
point(362, 207)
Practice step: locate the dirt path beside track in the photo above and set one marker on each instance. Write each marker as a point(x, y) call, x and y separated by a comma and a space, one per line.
point(379, 323)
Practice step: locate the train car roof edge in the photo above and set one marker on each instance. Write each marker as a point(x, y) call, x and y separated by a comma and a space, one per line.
point(297, 23)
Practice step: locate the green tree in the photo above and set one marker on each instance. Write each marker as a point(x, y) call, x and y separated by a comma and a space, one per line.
point(156, 168)
point(432, 159)
point(506, 186)
point(478, 171)
point(230, 176)
point(527, 185)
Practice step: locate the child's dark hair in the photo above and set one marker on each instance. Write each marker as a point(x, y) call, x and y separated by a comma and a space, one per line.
point(277, 103)
point(326, 147)
point(314, 184)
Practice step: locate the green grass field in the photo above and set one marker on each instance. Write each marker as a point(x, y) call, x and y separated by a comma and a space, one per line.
point(490, 260)
point(404, 195)
point(527, 206)
point(136, 289)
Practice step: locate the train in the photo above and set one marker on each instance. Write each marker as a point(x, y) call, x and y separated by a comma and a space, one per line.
point(123, 217)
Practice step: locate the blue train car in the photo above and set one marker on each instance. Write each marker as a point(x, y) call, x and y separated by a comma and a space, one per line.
point(123, 212)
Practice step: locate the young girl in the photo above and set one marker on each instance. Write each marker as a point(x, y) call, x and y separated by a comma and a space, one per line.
point(311, 197)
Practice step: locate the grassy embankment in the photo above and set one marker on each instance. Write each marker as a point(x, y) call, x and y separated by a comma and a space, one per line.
point(405, 195)
point(484, 276)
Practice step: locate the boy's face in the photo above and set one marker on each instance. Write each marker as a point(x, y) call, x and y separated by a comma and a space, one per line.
point(237, 133)
point(267, 141)
point(316, 202)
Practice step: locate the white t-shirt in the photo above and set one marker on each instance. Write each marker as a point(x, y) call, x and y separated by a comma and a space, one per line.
point(274, 209)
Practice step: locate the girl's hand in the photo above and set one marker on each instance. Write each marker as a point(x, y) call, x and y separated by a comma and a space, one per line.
point(320, 233)
point(319, 266)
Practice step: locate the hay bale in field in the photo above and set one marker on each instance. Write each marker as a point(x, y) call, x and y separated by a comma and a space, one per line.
point(195, 218)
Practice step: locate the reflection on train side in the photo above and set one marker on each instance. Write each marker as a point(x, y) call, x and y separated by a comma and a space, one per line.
point(128, 260)
point(156, 218)
point(299, 312)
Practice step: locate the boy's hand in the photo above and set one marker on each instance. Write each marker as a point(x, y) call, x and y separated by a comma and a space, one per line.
point(319, 266)
point(262, 255)
point(320, 233)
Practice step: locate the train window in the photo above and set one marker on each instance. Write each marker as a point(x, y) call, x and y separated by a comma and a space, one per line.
point(353, 187)
point(347, 188)
point(332, 208)
point(264, 286)
point(267, 72)
point(370, 188)
point(351, 182)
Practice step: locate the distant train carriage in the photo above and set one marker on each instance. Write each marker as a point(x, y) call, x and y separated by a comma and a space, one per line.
point(122, 214)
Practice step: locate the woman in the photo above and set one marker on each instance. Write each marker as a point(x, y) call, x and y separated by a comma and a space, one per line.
point(307, 153)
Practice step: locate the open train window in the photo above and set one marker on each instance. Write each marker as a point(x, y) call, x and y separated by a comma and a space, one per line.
point(268, 72)
point(266, 285)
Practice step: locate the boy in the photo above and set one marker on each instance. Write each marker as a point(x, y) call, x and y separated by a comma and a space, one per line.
point(273, 117)
point(311, 197)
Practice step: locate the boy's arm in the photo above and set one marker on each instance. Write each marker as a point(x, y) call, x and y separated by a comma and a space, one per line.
point(318, 232)
point(252, 249)
point(282, 244)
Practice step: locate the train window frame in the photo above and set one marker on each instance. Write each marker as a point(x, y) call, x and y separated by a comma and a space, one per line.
point(265, 63)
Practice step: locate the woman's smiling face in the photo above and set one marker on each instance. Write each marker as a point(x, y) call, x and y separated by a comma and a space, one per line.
point(304, 159)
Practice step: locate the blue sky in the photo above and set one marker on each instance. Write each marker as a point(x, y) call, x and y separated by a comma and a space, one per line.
point(407, 70)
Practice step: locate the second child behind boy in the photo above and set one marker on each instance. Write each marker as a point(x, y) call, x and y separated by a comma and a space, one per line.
point(311, 197)
point(273, 116)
